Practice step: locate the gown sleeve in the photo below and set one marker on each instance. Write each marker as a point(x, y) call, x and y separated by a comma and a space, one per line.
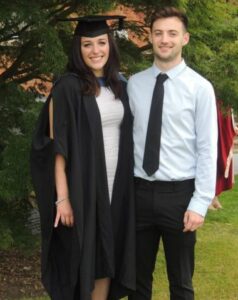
point(42, 156)
point(61, 119)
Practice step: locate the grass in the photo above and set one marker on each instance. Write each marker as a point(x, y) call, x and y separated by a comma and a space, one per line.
point(216, 274)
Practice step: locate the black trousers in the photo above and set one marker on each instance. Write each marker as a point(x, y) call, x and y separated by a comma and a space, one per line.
point(160, 208)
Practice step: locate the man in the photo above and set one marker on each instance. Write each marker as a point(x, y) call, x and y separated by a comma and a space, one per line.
point(175, 173)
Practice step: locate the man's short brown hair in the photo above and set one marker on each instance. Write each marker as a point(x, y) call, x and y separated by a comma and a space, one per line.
point(168, 12)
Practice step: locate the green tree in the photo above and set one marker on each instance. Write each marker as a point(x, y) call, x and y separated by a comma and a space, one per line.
point(31, 36)
point(213, 48)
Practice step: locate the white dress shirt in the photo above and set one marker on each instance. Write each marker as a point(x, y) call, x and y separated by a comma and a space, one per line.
point(189, 130)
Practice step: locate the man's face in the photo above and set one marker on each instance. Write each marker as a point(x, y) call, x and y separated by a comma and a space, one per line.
point(168, 36)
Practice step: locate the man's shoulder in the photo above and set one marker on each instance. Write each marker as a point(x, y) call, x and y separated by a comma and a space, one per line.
point(197, 77)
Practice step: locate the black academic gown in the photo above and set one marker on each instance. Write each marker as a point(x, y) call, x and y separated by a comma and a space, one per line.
point(70, 255)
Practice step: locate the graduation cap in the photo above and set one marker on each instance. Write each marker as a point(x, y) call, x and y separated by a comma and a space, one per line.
point(91, 26)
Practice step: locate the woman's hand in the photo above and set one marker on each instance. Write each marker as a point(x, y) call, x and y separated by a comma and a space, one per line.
point(64, 211)
point(64, 214)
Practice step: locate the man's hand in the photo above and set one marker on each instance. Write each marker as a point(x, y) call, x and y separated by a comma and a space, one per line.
point(192, 221)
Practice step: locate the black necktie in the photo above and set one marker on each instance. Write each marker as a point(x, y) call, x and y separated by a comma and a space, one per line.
point(152, 144)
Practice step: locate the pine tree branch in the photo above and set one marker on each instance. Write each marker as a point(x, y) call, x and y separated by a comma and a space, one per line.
point(62, 14)
point(9, 73)
point(59, 10)
point(16, 33)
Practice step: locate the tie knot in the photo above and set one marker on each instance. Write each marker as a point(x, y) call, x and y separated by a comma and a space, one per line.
point(162, 77)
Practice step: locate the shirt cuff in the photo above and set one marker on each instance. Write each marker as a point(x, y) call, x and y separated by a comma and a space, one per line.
point(199, 207)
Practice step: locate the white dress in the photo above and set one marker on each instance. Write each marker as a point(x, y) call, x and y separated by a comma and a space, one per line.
point(111, 111)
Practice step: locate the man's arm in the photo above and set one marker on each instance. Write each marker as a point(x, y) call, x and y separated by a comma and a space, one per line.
point(206, 145)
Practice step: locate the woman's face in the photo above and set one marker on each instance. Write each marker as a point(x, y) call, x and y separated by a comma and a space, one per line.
point(95, 53)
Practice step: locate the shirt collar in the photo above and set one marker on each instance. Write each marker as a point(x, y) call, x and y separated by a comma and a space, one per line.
point(172, 73)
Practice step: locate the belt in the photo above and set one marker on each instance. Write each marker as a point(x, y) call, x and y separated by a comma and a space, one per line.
point(165, 185)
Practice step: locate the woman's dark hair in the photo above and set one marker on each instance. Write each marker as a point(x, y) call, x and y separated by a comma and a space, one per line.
point(91, 86)
point(168, 12)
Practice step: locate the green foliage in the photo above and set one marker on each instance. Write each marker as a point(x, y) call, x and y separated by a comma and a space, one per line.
point(95, 6)
point(154, 3)
point(213, 46)
point(132, 59)
point(226, 66)
point(13, 229)
point(18, 114)
point(13, 106)
point(14, 175)
point(29, 42)
point(6, 239)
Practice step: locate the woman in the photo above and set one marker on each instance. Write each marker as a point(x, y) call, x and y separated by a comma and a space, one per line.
point(83, 174)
